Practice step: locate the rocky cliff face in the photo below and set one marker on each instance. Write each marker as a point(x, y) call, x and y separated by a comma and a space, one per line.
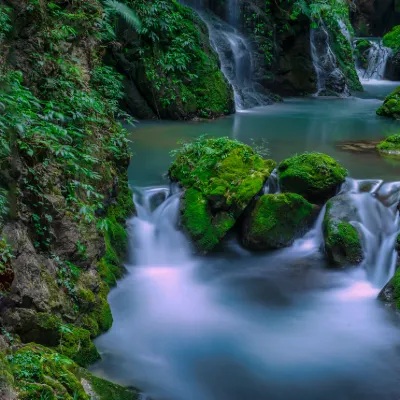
point(64, 196)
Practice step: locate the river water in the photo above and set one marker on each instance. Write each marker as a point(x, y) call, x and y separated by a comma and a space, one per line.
point(236, 325)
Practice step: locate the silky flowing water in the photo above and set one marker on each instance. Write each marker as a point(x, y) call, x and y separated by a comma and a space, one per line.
point(237, 325)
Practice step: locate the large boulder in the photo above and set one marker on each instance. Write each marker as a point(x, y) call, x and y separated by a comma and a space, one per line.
point(391, 105)
point(277, 220)
point(315, 176)
point(343, 244)
point(221, 177)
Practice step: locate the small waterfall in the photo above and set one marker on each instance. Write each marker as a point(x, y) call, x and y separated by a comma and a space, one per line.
point(377, 58)
point(155, 229)
point(233, 12)
point(345, 31)
point(237, 64)
point(378, 221)
point(329, 76)
point(272, 184)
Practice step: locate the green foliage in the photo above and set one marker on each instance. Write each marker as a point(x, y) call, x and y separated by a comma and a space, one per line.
point(39, 371)
point(315, 176)
point(121, 9)
point(5, 22)
point(278, 219)
point(392, 39)
point(179, 65)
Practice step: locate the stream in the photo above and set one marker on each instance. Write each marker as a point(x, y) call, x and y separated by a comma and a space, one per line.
point(238, 325)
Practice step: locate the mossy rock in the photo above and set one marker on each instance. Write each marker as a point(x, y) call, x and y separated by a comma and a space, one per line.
point(343, 243)
point(277, 220)
point(390, 146)
point(41, 373)
point(315, 176)
point(221, 177)
point(391, 105)
point(76, 344)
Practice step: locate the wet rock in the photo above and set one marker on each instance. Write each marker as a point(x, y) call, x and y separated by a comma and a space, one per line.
point(277, 220)
point(336, 81)
point(343, 244)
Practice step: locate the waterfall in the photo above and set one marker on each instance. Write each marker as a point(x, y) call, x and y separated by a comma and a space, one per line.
point(378, 222)
point(329, 76)
point(345, 31)
point(377, 58)
point(237, 64)
point(233, 12)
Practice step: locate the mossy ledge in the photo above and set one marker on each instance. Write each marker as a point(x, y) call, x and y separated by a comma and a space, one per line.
point(277, 220)
point(221, 177)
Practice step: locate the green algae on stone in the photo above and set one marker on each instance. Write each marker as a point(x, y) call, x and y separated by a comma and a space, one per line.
point(315, 176)
point(391, 105)
point(277, 220)
point(221, 177)
point(390, 146)
point(342, 240)
point(392, 39)
point(363, 46)
point(6, 377)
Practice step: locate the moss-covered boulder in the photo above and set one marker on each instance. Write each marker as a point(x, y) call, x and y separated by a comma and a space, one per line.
point(391, 105)
point(392, 39)
point(221, 177)
point(343, 244)
point(277, 220)
point(315, 176)
point(390, 146)
point(41, 373)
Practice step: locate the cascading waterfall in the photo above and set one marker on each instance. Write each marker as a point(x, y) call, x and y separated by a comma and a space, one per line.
point(237, 64)
point(378, 221)
point(377, 58)
point(329, 76)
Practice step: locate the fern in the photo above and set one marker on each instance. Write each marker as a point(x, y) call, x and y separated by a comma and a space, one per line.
point(116, 7)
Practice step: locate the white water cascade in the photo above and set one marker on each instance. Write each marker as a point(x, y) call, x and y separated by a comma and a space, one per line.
point(329, 76)
point(378, 222)
point(237, 62)
point(377, 58)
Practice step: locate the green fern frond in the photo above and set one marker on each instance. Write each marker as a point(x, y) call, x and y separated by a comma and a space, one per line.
point(123, 11)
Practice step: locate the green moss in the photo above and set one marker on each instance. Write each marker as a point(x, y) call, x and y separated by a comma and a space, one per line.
point(391, 145)
point(221, 176)
point(39, 372)
point(392, 38)
point(342, 240)
point(396, 287)
point(391, 105)
point(344, 53)
point(315, 176)
point(276, 220)
point(76, 344)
